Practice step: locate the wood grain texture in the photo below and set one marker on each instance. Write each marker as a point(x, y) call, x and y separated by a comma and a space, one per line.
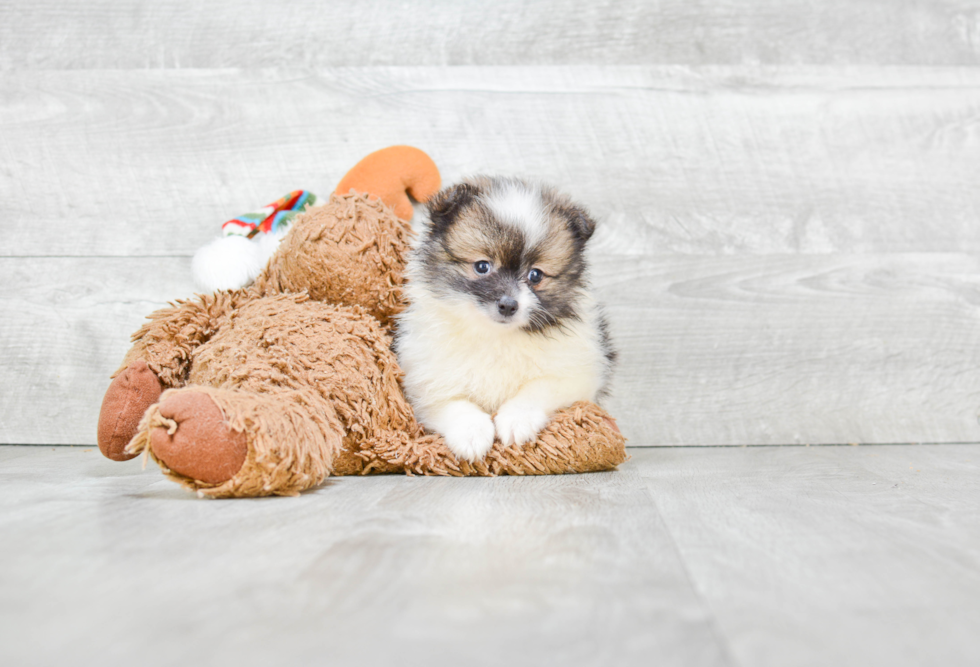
point(830, 555)
point(714, 350)
point(66, 327)
point(712, 161)
point(102, 559)
point(112, 34)
point(863, 556)
point(795, 349)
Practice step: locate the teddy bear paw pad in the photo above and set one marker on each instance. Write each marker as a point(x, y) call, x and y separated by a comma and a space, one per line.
point(199, 444)
point(128, 397)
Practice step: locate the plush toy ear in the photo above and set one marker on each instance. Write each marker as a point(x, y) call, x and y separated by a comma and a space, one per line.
point(445, 206)
point(392, 174)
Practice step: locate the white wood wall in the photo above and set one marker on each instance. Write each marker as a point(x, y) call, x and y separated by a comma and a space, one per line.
point(788, 190)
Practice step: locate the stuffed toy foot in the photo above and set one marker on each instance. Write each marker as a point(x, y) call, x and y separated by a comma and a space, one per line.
point(194, 440)
point(132, 391)
point(231, 442)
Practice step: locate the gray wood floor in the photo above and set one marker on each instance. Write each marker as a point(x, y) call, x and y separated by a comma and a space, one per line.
point(685, 556)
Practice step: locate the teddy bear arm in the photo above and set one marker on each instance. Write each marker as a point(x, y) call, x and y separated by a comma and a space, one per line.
point(579, 438)
point(167, 341)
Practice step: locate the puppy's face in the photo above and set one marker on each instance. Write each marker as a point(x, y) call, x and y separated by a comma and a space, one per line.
point(511, 249)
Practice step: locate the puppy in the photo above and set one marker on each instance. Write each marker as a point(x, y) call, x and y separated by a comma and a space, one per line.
point(500, 329)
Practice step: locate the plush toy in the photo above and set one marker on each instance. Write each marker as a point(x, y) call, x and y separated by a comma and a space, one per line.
point(236, 258)
point(268, 389)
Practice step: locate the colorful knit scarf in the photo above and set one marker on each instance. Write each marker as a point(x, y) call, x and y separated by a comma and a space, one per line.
point(275, 217)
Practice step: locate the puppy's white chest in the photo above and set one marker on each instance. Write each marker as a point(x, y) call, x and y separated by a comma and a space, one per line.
point(490, 373)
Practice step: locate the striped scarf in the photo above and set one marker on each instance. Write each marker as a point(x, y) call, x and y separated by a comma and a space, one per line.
point(275, 217)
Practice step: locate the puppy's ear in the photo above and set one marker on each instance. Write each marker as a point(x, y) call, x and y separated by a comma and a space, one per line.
point(580, 223)
point(446, 205)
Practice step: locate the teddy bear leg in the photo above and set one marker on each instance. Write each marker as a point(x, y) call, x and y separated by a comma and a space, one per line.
point(195, 440)
point(233, 442)
point(130, 394)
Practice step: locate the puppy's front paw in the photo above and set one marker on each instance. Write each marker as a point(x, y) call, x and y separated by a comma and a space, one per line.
point(469, 434)
point(519, 423)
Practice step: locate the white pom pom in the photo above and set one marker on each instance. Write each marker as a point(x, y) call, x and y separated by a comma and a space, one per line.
point(269, 242)
point(228, 262)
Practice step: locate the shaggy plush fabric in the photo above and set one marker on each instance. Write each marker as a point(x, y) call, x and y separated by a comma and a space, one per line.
point(350, 251)
point(273, 387)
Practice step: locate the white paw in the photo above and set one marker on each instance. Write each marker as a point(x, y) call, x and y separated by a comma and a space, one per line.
point(469, 434)
point(519, 423)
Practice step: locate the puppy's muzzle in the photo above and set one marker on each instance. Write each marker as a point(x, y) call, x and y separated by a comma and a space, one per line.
point(506, 306)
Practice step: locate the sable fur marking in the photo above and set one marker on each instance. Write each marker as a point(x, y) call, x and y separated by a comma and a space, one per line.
point(466, 352)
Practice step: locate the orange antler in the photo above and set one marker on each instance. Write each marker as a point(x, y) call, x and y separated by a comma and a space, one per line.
point(392, 174)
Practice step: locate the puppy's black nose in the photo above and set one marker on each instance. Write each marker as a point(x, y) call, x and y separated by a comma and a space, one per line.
point(506, 306)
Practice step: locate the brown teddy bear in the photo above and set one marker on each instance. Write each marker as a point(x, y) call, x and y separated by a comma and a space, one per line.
point(270, 388)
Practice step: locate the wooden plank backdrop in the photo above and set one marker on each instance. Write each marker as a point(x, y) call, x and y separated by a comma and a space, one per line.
point(708, 160)
point(100, 34)
point(788, 251)
point(775, 349)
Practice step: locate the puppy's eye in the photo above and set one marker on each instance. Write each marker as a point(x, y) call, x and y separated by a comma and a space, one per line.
point(482, 267)
point(535, 276)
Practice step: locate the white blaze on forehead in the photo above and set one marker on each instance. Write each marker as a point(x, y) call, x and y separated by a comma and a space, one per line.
point(521, 206)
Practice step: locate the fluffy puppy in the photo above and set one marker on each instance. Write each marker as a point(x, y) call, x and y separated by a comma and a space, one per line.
point(500, 329)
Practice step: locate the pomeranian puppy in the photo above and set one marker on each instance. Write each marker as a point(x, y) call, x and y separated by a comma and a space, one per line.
point(500, 329)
